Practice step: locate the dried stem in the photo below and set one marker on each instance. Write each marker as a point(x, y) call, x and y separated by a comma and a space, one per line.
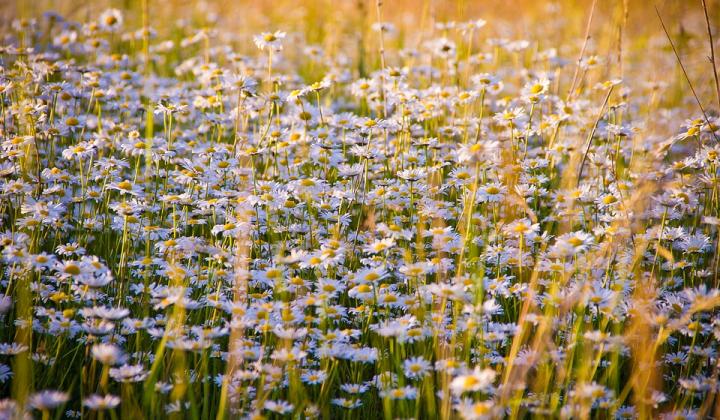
point(672, 44)
point(582, 51)
point(712, 52)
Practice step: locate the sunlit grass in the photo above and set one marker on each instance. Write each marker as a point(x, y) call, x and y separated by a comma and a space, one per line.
point(359, 210)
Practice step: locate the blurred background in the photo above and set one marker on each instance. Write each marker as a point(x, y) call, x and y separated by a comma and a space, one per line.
point(346, 26)
point(328, 16)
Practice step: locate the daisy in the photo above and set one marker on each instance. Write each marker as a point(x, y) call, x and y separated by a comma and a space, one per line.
point(478, 379)
point(280, 407)
point(491, 193)
point(379, 246)
point(269, 40)
point(313, 377)
point(522, 228)
point(416, 367)
point(111, 20)
point(101, 402)
point(48, 399)
point(108, 354)
point(404, 393)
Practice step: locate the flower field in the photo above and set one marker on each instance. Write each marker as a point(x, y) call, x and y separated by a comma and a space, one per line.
point(360, 210)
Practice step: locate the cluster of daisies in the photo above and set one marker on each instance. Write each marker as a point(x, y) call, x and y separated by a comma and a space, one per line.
point(475, 227)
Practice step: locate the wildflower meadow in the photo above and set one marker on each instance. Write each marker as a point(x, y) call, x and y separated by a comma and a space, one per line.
point(359, 209)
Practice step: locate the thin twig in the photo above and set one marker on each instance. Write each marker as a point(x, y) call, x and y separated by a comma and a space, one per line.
point(582, 51)
point(592, 134)
point(684, 72)
point(712, 52)
point(378, 9)
point(621, 36)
